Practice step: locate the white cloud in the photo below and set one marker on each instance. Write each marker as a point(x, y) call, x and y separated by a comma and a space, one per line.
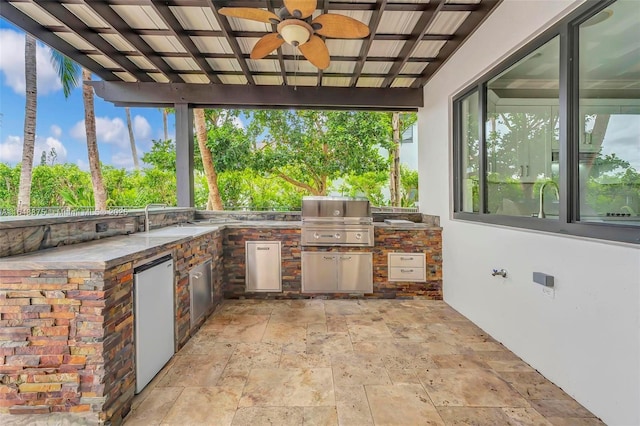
point(82, 164)
point(12, 64)
point(55, 130)
point(113, 131)
point(141, 127)
point(54, 143)
point(11, 149)
point(122, 159)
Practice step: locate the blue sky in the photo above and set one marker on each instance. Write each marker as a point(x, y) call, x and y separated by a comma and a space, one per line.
point(60, 121)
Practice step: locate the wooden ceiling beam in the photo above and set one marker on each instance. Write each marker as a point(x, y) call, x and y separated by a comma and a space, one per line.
point(253, 96)
point(76, 25)
point(322, 5)
point(473, 21)
point(291, 57)
point(366, 44)
point(417, 34)
point(228, 34)
point(258, 34)
point(299, 74)
point(274, 28)
point(171, 21)
point(15, 16)
point(122, 28)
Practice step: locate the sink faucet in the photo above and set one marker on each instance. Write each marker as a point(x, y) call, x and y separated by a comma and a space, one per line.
point(628, 209)
point(146, 214)
point(541, 214)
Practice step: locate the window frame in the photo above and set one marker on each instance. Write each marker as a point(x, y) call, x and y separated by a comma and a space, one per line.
point(568, 223)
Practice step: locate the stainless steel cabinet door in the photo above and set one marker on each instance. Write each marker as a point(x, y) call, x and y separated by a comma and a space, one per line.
point(201, 291)
point(319, 272)
point(263, 271)
point(355, 273)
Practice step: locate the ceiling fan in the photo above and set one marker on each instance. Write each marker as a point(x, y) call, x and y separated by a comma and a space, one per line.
point(294, 26)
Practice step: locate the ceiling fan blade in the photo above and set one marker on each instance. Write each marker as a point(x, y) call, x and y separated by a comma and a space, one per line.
point(250, 13)
point(266, 45)
point(304, 8)
point(340, 26)
point(316, 52)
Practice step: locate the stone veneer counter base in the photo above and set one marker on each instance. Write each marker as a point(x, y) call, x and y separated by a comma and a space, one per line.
point(66, 313)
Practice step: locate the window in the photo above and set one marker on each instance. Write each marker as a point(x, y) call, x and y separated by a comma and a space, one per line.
point(550, 139)
point(522, 104)
point(609, 116)
point(470, 153)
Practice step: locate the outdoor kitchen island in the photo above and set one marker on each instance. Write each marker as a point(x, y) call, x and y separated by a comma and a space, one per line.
point(68, 322)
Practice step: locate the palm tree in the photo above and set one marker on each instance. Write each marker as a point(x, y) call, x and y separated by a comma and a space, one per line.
point(31, 92)
point(214, 202)
point(68, 71)
point(99, 192)
point(132, 140)
point(165, 123)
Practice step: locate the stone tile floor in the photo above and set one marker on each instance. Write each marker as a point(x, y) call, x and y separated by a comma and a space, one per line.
point(349, 362)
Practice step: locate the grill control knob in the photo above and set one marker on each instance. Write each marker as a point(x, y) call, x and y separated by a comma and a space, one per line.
point(337, 235)
point(316, 236)
point(358, 236)
point(336, 212)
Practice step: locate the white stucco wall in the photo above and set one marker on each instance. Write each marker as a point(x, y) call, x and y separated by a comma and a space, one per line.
point(586, 337)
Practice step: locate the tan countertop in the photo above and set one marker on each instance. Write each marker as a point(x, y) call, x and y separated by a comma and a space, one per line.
point(112, 251)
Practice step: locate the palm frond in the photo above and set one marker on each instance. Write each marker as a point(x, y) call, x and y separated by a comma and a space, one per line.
point(67, 70)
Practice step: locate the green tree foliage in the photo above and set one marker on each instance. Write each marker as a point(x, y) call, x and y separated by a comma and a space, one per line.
point(9, 183)
point(368, 184)
point(162, 155)
point(409, 187)
point(49, 180)
point(308, 149)
point(230, 144)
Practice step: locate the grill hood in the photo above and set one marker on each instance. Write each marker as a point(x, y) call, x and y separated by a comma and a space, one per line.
point(335, 207)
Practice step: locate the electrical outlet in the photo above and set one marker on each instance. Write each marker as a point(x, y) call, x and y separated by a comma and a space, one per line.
point(102, 227)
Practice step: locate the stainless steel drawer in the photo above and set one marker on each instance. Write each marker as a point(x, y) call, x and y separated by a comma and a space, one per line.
point(407, 274)
point(416, 260)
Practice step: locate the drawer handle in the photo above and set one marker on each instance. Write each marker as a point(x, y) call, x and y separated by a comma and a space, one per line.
point(406, 271)
point(406, 258)
point(327, 257)
point(263, 248)
point(345, 257)
point(197, 275)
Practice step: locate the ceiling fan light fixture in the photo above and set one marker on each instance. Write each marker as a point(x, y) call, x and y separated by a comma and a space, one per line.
point(295, 32)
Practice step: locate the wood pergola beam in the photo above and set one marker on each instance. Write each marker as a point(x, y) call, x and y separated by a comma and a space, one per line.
point(248, 96)
point(170, 20)
point(418, 32)
point(473, 21)
point(228, 34)
point(61, 13)
point(251, 34)
point(122, 28)
point(323, 6)
point(17, 17)
point(366, 44)
point(287, 57)
point(274, 28)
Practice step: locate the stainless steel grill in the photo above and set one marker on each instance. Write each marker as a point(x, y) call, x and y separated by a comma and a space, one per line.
point(336, 221)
